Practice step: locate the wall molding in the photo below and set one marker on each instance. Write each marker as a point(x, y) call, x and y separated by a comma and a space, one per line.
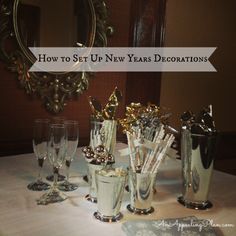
point(147, 28)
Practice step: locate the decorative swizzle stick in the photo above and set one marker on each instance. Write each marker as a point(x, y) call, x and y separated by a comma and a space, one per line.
point(148, 142)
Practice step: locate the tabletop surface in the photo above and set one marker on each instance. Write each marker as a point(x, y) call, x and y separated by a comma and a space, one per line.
point(20, 215)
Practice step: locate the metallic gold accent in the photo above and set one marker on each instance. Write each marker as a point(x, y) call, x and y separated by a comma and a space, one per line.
point(109, 111)
point(96, 108)
point(101, 23)
point(53, 88)
point(137, 115)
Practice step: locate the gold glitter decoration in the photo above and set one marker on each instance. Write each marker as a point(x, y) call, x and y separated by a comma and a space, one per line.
point(141, 116)
point(109, 111)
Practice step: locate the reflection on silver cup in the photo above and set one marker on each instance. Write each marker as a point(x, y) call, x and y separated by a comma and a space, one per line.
point(92, 196)
point(197, 153)
point(103, 133)
point(110, 189)
point(141, 192)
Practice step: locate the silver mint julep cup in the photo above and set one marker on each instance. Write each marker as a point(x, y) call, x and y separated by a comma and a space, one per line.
point(197, 154)
point(101, 133)
point(110, 190)
point(141, 192)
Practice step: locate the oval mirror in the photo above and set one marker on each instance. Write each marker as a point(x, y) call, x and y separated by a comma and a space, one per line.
point(50, 23)
point(72, 24)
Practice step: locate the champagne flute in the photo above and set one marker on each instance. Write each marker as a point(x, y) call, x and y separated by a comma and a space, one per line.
point(57, 120)
point(40, 138)
point(72, 143)
point(56, 147)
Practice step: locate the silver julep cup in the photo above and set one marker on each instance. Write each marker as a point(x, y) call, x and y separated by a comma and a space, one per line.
point(110, 190)
point(92, 168)
point(103, 133)
point(197, 154)
point(141, 192)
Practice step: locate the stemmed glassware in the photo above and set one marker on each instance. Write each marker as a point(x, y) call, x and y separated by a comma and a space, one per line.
point(57, 120)
point(72, 143)
point(40, 139)
point(57, 146)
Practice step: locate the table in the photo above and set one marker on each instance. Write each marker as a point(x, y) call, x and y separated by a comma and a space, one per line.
point(20, 215)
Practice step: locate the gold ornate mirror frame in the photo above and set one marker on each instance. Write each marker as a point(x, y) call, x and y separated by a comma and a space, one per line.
point(53, 88)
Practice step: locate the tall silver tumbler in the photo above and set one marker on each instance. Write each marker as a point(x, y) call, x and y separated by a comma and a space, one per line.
point(197, 154)
point(110, 189)
point(141, 192)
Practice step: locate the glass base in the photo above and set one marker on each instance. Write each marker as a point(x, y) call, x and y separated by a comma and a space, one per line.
point(38, 186)
point(59, 178)
point(52, 196)
point(67, 186)
point(91, 199)
point(193, 205)
point(108, 219)
point(140, 211)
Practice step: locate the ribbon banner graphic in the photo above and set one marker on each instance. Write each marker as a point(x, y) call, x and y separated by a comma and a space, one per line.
point(122, 59)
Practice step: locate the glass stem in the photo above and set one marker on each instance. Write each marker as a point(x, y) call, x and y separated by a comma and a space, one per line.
point(67, 170)
point(40, 165)
point(55, 177)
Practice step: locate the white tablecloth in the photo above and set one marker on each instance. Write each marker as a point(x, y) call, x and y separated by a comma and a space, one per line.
point(20, 215)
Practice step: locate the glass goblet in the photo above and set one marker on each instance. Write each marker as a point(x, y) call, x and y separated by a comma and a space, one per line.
point(57, 120)
point(72, 143)
point(56, 147)
point(40, 139)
